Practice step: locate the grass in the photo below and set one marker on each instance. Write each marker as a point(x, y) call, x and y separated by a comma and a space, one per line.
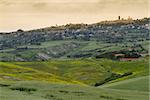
point(46, 91)
point(86, 71)
point(50, 44)
point(139, 67)
point(72, 80)
point(12, 72)
point(136, 84)
point(69, 69)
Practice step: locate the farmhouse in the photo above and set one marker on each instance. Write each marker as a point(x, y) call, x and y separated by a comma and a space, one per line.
point(119, 55)
point(128, 59)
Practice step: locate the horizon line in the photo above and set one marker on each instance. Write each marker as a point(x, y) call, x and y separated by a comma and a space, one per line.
point(58, 25)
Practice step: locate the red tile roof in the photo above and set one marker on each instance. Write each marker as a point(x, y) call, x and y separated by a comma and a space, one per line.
point(128, 59)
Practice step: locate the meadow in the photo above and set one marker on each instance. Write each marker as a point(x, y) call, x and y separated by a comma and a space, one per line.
point(75, 79)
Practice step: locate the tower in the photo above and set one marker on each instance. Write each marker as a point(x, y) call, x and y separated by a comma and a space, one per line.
point(119, 17)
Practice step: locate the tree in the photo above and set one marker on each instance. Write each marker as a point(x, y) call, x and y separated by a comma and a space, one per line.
point(20, 30)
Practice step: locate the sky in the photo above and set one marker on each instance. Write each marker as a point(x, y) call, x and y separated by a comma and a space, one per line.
point(33, 14)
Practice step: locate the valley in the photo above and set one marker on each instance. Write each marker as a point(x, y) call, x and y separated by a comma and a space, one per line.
point(108, 60)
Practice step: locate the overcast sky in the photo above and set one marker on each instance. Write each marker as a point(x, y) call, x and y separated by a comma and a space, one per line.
point(32, 14)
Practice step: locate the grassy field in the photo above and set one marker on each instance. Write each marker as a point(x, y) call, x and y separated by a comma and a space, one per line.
point(76, 62)
point(74, 80)
point(27, 90)
point(76, 70)
point(136, 84)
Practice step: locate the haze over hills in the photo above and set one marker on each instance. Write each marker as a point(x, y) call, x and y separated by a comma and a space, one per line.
point(77, 41)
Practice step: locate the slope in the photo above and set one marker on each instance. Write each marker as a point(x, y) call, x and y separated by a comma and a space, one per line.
point(136, 84)
point(12, 72)
point(91, 71)
point(33, 90)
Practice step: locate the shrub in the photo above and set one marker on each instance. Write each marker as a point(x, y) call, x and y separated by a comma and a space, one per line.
point(23, 89)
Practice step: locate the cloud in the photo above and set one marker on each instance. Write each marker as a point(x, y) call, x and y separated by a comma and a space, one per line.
point(6, 3)
point(29, 14)
point(73, 6)
point(40, 5)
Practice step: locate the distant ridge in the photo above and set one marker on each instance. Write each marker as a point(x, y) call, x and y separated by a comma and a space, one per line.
point(106, 22)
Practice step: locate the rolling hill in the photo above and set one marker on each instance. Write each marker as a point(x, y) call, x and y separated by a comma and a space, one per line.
point(25, 90)
point(83, 71)
point(98, 40)
point(134, 84)
point(102, 61)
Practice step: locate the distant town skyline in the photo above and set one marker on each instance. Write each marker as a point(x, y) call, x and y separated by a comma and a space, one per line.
point(33, 14)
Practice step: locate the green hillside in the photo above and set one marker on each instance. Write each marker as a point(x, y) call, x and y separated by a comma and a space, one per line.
point(12, 72)
point(102, 61)
point(135, 84)
point(86, 71)
point(69, 49)
point(27, 90)
point(74, 80)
